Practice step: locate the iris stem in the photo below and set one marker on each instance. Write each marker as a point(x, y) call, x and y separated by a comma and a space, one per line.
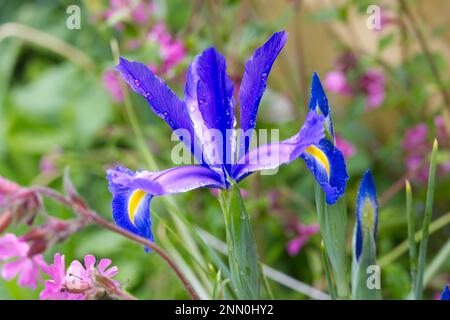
point(418, 292)
point(93, 217)
point(326, 266)
point(332, 220)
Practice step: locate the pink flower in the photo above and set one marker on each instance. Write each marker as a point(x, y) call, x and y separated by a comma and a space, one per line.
point(347, 148)
point(336, 81)
point(372, 84)
point(55, 288)
point(415, 138)
point(172, 51)
point(139, 14)
point(14, 254)
point(142, 12)
point(304, 232)
point(79, 282)
point(112, 84)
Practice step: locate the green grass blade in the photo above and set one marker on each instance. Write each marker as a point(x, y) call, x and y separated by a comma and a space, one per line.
point(326, 266)
point(242, 253)
point(411, 231)
point(418, 292)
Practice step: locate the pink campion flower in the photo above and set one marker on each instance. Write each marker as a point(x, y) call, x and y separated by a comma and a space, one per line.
point(111, 83)
point(139, 14)
point(142, 12)
point(304, 232)
point(372, 85)
point(14, 255)
point(415, 138)
point(171, 51)
point(347, 148)
point(336, 82)
point(55, 288)
point(416, 147)
point(79, 282)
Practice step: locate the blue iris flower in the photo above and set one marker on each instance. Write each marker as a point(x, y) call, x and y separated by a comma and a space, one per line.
point(208, 105)
point(366, 212)
point(325, 161)
point(445, 294)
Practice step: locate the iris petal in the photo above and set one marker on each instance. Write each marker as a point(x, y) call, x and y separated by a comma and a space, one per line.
point(209, 96)
point(161, 98)
point(366, 211)
point(327, 164)
point(273, 155)
point(319, 103)
point(254, 82)
point(133, 191)
point(445, 294)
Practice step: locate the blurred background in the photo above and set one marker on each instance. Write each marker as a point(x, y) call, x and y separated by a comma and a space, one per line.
point(384, 64)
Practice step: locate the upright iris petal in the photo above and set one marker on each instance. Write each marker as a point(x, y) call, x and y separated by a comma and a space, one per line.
point(208, 107)
point(208, 84)
point(254, 83)
point(319, 104)
point(366, 212)
point(325, 161)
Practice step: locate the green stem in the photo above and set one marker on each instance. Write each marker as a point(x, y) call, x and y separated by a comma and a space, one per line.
point(242, 254)
point(326, 266)
point(426, 223)
point(332, 220)
point(411, 230)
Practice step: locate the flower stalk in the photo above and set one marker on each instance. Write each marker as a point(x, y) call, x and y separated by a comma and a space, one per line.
point(333, 219)
point(241, 243)
point(418, 291)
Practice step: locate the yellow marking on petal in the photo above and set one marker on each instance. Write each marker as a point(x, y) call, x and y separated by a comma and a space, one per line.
point(320, 156)
point(133, 203)
point(368, 214)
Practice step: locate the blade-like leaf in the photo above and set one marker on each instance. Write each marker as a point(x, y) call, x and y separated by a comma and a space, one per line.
point(426, 222)
point(333, 219)
point(241, 243)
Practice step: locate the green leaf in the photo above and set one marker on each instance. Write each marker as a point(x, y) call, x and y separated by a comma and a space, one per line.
point(360, 270)
point(242, 253)
point(411, 231)
point(418, 292)
point(333, 220)
point(326, 265)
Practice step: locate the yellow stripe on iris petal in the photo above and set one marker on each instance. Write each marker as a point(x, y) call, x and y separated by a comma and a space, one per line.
point(320, 156)
point(133, 203)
